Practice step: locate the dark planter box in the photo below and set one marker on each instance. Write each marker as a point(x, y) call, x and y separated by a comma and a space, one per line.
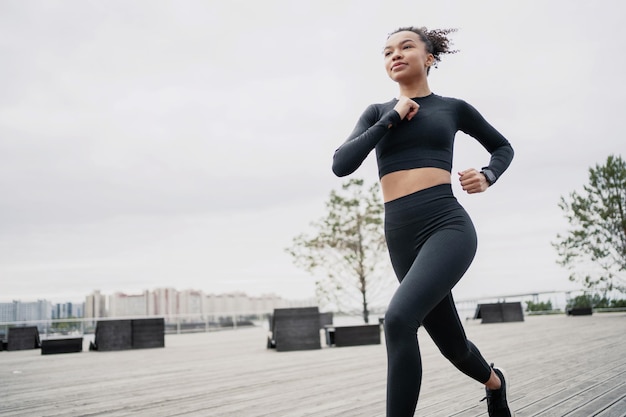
point(113, 335)
point(148, 333)
point(579, 311)
point(365, 334)
point(499, 312)
point(129, 334)
point(22, 338)
point(295, 329)
point(54, 346)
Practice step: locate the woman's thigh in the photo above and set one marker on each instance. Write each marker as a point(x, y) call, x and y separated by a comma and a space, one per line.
point(428, 271)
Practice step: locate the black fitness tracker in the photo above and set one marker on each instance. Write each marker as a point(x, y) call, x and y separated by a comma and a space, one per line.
point(489, 175)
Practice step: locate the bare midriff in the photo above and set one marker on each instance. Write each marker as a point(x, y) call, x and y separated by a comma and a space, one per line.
point(400, 183)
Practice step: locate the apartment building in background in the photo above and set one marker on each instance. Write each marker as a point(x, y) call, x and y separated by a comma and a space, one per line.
point(95, 305)
point(186, 305)
point(190, 305)
point(17, 311)
point(67, 310)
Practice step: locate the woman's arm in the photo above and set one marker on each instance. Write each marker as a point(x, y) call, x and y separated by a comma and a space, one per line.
point(475, 125)
point(368, 131)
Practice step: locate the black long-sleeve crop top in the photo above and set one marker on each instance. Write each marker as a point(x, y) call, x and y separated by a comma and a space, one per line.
point(427, 140)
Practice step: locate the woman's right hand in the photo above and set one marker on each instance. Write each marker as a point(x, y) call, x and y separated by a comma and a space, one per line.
point(406, 108)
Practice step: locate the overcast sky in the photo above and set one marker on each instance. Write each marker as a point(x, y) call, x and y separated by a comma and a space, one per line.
point(183, 144)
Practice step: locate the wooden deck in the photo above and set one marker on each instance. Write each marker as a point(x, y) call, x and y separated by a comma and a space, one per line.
point(557, 366)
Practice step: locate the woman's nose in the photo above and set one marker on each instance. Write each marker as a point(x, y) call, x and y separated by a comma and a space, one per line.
point(396, 55)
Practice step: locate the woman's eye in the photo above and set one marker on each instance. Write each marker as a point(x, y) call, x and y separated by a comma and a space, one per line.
point(407, 46)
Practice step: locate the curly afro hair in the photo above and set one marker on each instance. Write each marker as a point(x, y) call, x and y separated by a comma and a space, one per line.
point(436, 40)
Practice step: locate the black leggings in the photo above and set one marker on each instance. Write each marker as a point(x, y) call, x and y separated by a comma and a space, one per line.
point(432, 242)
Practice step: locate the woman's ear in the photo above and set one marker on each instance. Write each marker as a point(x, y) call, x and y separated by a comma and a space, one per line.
point(430, 60)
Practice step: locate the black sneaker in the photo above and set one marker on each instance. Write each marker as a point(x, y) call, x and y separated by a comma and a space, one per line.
point(497, 405)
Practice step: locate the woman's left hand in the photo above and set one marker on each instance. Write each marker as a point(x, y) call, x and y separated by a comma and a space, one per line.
point(473, 181)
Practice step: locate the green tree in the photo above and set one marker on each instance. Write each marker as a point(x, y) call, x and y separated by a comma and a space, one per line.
point(347, 247)
point(597, 235)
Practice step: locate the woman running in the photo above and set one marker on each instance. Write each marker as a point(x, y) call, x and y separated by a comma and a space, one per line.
point(430, 237)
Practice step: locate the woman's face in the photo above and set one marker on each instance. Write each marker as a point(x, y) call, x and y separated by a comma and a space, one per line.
point(406, 57)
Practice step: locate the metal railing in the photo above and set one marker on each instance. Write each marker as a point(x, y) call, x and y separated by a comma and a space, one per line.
point(174, 324)
point(195, 323)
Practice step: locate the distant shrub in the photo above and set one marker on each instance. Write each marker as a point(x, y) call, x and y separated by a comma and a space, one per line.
point(618, 303)
point(580, 301)
point(541, 306)
point(595, 301)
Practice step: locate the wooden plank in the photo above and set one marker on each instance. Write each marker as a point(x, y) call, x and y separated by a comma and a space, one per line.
point(603, 398)
point(577, 361)
point(616, 409)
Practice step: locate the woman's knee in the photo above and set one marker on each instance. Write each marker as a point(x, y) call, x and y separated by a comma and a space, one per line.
point(398, 323)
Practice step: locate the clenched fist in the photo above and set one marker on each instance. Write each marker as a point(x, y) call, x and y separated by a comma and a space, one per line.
point(406, 108)
point(473, 181)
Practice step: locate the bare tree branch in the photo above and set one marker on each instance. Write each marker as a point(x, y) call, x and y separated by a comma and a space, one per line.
point(348, 247)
